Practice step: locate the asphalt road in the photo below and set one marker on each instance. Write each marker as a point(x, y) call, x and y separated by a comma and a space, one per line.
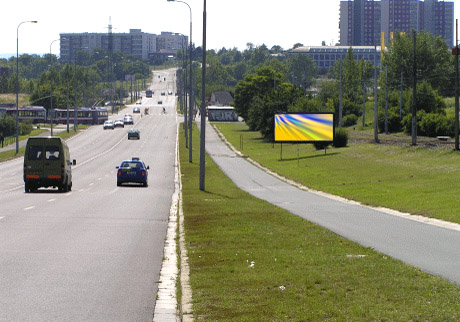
point(95, 253)
point(434, 246)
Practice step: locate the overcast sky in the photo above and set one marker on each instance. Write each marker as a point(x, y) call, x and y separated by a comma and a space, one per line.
point(232, 23)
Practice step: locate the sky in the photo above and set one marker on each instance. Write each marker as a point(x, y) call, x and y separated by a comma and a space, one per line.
point(230, 24)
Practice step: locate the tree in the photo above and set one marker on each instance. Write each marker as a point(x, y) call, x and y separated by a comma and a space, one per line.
point(259, 84)
point(434, 61)
point(302, 69)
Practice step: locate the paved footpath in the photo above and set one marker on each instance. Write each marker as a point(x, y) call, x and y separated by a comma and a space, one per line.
point(431, 245)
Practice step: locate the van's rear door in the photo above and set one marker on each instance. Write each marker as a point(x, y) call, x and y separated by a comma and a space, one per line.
point(33, 167)
point(52, 161)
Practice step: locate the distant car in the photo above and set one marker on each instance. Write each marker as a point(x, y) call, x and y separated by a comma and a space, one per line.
point(128, 119)
point(138, 102)
point(119, 123)
point(163, 93)
point(169, 92)
point(134, 134)
point(108, 125)
point(160, 102)
point(132, 171)
point(136, 109)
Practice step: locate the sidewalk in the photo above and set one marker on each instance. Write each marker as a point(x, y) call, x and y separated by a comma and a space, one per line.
point(431, 245)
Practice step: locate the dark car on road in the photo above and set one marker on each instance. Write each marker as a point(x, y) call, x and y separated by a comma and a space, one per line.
point(132, 171)
point(134, 134)
point(136, 109)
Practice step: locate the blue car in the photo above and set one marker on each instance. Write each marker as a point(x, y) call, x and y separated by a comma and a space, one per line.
point(132, 171)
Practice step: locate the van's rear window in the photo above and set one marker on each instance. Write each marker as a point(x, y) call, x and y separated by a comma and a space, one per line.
point(35, 152)
point(52, 152)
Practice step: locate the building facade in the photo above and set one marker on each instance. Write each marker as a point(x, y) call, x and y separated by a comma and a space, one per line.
point(136, 43)
point(363, 21)
point(360, 22)
point(326, 56)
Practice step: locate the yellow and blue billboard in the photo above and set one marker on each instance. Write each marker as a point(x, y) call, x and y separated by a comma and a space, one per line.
point(307, 127)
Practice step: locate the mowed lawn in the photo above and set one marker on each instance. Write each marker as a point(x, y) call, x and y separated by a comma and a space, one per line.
point(252, 261)
point(410, 179)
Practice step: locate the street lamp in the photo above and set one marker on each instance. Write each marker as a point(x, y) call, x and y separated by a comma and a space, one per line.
point(203, 107)
point(51, 88)
point(17, 83)
point(191, 99)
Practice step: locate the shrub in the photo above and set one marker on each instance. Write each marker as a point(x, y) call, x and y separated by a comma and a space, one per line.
point(341, 138)
point(321, 145)
point(394, 124)
point(431, 124)
point(25, 127)
point(349, 120)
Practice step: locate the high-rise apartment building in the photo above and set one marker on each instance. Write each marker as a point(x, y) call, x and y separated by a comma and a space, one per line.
point(363, 21)
point(139, 44)
point(359, 22)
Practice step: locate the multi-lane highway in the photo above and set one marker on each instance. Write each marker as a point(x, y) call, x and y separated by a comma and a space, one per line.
point(95, 253)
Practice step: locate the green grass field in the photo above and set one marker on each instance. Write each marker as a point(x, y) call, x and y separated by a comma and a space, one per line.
point(409, 179)
point(252, 261)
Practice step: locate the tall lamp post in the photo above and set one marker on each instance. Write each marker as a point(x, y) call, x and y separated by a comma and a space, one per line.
point(51, 88)
point(17, 83)
point(191, 99)
point(203, 107)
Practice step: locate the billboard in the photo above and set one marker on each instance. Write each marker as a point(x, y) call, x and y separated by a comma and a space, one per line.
point(304, 127)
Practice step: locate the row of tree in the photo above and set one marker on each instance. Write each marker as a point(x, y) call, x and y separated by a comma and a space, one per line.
point(268, 83)
point(86, 81)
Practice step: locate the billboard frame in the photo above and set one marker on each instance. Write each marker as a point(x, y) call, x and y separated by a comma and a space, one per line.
point(303, 141)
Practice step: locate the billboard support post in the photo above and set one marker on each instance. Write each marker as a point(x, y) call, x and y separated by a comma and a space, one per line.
point(297, 155)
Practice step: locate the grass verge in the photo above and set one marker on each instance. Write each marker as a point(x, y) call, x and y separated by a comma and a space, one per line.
point(252, 261)
point(409, 179)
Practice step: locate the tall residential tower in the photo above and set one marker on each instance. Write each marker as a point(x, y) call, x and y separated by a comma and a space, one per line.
point(363, 21)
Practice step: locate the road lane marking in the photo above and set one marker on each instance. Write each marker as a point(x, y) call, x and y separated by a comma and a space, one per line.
point(1, 218)
point(91, 184)
point(51, 200)
point(29, 208)
point(113, 191)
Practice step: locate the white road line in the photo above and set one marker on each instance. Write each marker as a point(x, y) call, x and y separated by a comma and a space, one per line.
point(113, 191)
point(51, 200)
point(1, 218)
point(91, 184)
point(29, 208)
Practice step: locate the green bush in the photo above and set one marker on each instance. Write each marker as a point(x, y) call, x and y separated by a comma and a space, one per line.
point(25, 127)
point(394, 124)
point(341, 138)
point(430, 124)
point(349, 120)
point(321, 145)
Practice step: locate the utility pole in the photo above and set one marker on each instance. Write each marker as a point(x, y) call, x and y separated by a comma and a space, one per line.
point(386, 99)
point(364, 96)
point(203, 106)
point(414, 93)
point(400, 98)
point(340, 94)
point(376, 109)
point(456, 88)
